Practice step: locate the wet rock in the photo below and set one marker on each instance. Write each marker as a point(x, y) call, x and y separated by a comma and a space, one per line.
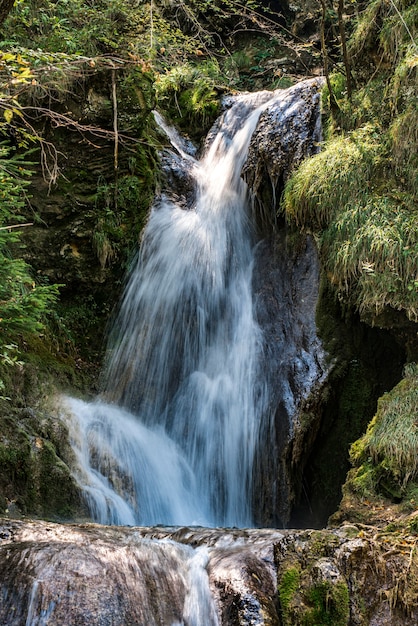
point(288, 131)
point(285, 283)
point(87, 575)
point(177, 183)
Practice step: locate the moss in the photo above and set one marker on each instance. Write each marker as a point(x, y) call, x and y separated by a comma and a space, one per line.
point(32, 476)
point(321, 543)
point(288, 586)
point(307, 598)
point(16, 466)
point(57, 493)
point(385, 457)
point(15, 459)
point(330, 605)
point(34, 479)
point(187, 93)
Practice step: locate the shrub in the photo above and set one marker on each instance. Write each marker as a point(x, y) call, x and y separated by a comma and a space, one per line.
point(23, 303)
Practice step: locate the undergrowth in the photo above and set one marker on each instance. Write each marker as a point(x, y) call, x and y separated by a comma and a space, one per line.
point(385, 458)
point(359, 195)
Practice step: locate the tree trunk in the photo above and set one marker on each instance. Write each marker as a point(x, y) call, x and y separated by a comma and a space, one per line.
point(333, 105)
point(344, 49)
point(5, 8)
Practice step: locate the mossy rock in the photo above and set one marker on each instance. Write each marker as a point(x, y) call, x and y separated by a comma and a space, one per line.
point(34, 450)
point(313, 593)
point(329, 604)
point(33, 479)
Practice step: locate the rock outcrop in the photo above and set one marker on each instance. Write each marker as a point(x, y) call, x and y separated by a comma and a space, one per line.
point(90, 575)
point(285, 135)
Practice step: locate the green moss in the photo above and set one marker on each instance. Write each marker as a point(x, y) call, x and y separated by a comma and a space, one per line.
point(57, 493)
point(330, 605)
point(288, 586)
point(305, 598)
point(15, 459)
point(33, 477)
point(385, 458)
point(321, 543)
point(187, 92)
point(16, 466)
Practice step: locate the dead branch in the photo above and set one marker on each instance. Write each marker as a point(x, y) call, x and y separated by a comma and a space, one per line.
point(16, 226)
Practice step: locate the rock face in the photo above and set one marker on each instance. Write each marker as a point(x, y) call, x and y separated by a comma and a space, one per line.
point(90, 575)
point(284, 136)
point(286, 279)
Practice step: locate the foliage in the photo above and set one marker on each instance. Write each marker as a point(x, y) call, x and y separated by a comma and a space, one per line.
point(23, 303)
point(330, 604)
point(70, 27)
point(188, 93)
point(385, 457)
point(359, 195)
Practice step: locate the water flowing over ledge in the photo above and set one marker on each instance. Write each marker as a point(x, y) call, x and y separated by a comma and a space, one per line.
point(190, 427)
point(86, 575)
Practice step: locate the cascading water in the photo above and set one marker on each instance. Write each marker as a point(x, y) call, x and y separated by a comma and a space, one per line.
point(175, 437)
point(213, 352)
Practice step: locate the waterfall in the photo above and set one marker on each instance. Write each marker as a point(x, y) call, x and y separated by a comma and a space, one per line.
point(175, 436)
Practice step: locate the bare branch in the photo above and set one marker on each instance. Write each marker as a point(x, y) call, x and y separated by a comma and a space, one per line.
point(344, 49)
point(15, 226)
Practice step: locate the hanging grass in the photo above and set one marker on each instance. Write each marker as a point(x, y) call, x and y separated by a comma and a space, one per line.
point(387, 454)
point(371, 253)
point(399, 30)
point(383, 30)
point(338, 175)
point(403, 135)
point(394, 436)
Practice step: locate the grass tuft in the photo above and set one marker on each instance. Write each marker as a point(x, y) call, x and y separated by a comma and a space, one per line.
point(386, 456)
point(338, 175)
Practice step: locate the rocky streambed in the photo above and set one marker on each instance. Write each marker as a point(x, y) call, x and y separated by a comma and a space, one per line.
point(85, 574)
